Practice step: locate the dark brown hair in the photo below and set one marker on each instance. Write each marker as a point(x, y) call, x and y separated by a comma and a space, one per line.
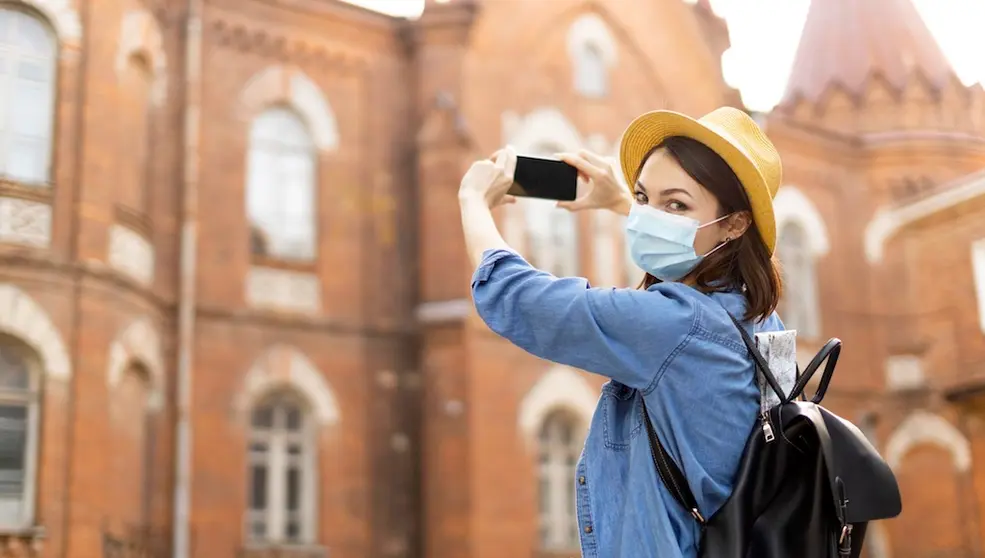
point(743, 263)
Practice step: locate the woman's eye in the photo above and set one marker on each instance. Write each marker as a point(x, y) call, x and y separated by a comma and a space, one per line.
point(641, 198)
point(676, 206)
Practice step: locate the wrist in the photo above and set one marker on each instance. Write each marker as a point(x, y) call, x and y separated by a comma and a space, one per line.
point(622, 206)
point(472, 200)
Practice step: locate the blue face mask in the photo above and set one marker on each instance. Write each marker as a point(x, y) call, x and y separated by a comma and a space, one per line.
point(662, 244)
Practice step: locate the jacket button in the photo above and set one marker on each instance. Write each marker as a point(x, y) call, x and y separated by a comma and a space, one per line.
point(581, 480)
point(588, 528)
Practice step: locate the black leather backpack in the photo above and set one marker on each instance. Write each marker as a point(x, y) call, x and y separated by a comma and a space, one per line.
point(807, 485)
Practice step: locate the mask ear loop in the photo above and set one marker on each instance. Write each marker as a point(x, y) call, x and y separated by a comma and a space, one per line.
point(720, 219)
point(724, 242)
point(716, 248)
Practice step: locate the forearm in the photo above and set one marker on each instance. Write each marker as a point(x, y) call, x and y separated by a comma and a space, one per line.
point(480, 229)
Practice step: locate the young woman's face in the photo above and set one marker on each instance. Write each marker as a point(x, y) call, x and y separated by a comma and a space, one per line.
point(664, 185)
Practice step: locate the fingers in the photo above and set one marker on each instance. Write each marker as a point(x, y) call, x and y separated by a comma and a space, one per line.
point(594, 159)
point(576, 205)
point(505, 159)
point(583, 165)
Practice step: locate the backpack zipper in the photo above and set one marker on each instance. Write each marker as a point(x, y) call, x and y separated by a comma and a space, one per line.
point(767, 427)
point(680, 495)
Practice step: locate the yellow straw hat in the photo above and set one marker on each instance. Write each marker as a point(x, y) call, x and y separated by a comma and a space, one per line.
point(730, 133)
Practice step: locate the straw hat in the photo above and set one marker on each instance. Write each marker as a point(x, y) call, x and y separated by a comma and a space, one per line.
point(730, 133)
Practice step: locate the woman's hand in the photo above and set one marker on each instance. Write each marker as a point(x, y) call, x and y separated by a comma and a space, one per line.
point(605, 191)
point(489, 180)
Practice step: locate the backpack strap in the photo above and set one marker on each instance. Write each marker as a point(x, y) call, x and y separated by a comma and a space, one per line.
point(669, 473)
point(761, 364)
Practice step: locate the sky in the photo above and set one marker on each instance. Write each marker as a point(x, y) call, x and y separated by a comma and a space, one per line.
point(758, 63)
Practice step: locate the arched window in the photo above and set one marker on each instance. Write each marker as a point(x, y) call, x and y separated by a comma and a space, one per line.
point(561, 441)
point(132, 454)
point(552, 232)
point(282, 476)
point(134, 112)
point(27, 86)
point(799, 307)
point(591, 71)
point(552, 236)
point(19, 415)
point(280, 185)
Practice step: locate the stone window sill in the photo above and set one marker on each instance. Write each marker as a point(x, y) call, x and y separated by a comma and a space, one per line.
point(271, 550)
point(21, 541)
point(30, 192)
point(303, 266)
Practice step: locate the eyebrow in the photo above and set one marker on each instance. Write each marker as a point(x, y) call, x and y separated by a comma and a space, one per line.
point(670, 191)
point(666, 192)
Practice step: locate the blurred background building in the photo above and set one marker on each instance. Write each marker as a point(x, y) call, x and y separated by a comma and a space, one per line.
point(234, 297)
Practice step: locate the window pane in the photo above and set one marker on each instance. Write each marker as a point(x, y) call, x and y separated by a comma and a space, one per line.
point(14, 374)
point(258, 529)
point(545, 493)
point(591, 77)
point(33, 71)
point(32, 38)
point(30, 107)
point(26, 159)
point(293, 530)
point(281, 184)
point(564, 430)
point(263, 417)
point(293, 418)
point(293, 489)
point(6, 20)
point(13, 447)
point(258, 448)
point(258, 487)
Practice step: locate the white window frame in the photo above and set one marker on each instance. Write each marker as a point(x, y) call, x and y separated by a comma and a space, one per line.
point(978, 271)
point(9, 58)
point(276, 459)
point(591, 71)
point(556, 468)
point(283, 157)
point(10, 519)
point(589, 36)
point(546, 227)
point(807, 293)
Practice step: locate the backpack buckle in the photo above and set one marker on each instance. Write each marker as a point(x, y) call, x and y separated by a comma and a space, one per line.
point(845, 540)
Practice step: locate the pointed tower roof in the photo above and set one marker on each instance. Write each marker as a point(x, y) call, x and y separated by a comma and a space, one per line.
point(848, 41)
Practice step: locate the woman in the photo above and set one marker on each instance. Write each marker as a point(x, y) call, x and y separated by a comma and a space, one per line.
point(700, 223)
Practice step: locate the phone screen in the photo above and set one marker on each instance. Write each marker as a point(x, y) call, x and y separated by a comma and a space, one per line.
point(544, 178)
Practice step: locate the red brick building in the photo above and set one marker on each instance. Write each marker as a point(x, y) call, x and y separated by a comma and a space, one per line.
point(234, 312)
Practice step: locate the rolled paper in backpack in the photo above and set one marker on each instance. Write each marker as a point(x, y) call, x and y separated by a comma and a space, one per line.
point(779, 348)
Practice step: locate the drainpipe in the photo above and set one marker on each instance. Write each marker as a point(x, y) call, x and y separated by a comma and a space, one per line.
point(181, 547)
point(75, 226)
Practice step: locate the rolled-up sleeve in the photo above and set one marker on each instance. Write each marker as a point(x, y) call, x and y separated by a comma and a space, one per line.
point(624, 334)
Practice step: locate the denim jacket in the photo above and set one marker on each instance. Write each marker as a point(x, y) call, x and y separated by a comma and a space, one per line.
point(670, 344)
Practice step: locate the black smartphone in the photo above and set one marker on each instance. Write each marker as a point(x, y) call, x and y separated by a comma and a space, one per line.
point(548, 179)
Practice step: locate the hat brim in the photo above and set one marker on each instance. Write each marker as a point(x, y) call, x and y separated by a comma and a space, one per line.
point(652, 128)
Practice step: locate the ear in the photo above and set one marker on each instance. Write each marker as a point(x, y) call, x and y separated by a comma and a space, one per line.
point(737, 224)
